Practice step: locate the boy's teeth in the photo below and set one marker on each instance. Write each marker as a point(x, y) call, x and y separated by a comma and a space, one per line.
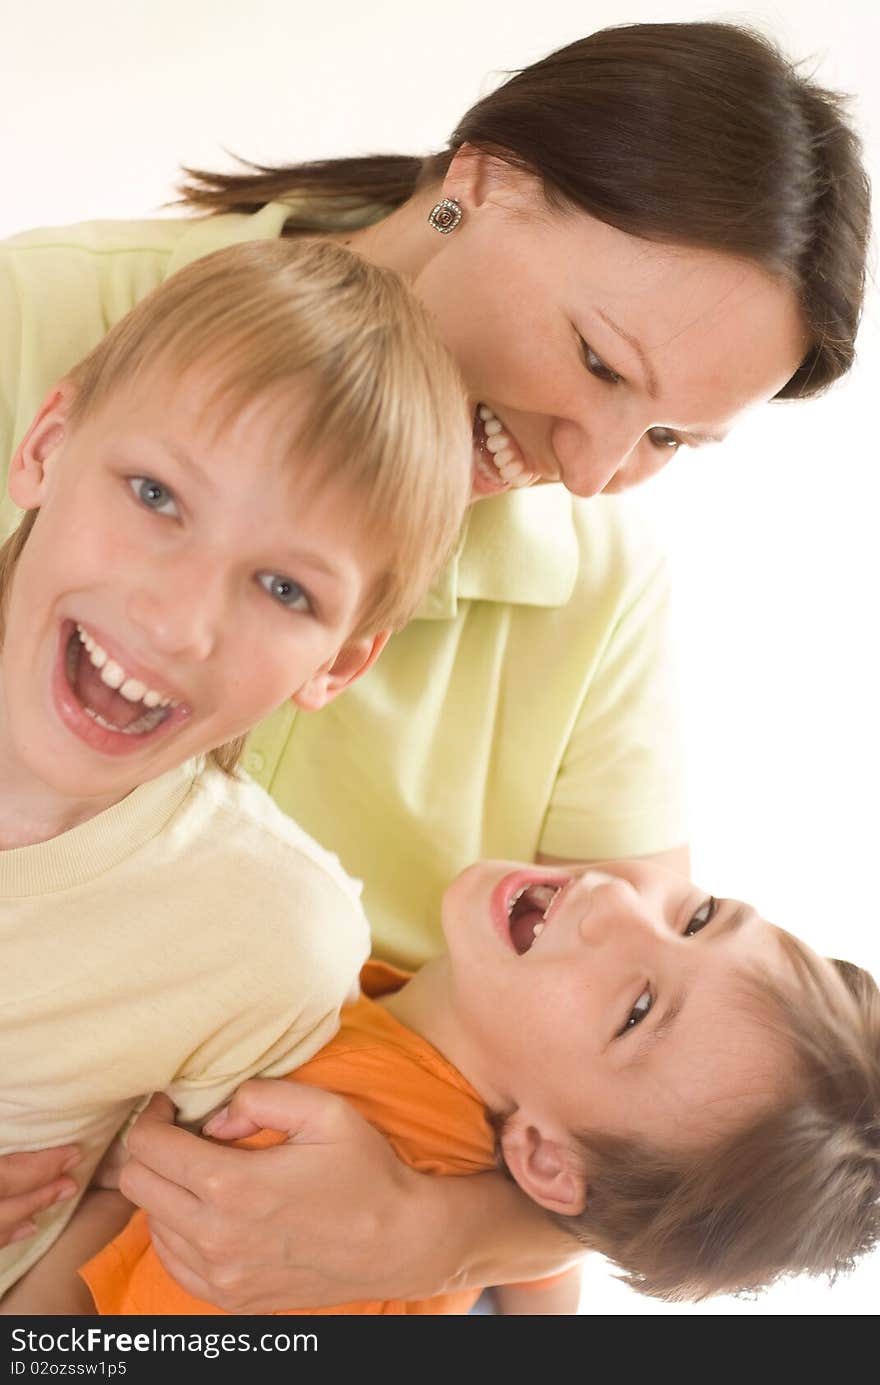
point(132, 690)
point(114, 675)
point(537, 930)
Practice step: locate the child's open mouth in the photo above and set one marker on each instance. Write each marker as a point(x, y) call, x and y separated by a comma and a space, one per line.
point(527, 912)
point(104, 703)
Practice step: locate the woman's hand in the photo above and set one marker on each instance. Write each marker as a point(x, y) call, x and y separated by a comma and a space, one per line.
point(29, 1183)
point(330, 1217)
point(318, 1221)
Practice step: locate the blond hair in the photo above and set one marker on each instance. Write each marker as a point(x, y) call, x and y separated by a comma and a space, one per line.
point(385, 410)
point(797, 1191)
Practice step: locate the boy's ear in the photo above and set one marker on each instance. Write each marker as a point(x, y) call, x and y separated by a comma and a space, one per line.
point(31, 462)
point(547, 1169)
point(346, 666)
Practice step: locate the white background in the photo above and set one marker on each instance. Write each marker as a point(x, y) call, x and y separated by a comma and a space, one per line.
point(773, 538)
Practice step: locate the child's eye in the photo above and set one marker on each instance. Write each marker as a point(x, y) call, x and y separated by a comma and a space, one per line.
point(153, 495)
point(664, 439)
point(704, 914)
point(638, 1012)
point(285, 591)
point(596, 366)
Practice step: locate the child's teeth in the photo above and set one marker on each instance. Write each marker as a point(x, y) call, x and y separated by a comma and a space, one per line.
point(537, 930)
point(112, 674)
point(485, 413)
point(133, 690)
point(492, 426)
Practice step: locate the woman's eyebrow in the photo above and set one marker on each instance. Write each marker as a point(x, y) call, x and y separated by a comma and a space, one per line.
point(650, 377)
point(692, 439)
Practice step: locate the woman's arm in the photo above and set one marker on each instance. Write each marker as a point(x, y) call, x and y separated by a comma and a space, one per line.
point(53, 1286)
point(29, 1183)
point(330, 1217)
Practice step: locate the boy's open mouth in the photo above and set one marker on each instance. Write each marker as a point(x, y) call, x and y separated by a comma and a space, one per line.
point(528, 911)
point(112, 698)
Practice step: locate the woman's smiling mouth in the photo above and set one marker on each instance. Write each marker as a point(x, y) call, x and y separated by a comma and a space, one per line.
point(499, 463)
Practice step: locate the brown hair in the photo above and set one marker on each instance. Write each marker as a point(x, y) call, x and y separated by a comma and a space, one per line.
point(385, 409)
point(698, 134)
point(795, 1192)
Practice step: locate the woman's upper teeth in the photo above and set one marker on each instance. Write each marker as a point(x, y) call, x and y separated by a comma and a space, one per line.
point(115, 676)
point(502, 450)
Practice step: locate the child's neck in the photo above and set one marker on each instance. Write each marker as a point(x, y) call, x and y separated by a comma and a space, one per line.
point(32, 811)
point(426, 1005)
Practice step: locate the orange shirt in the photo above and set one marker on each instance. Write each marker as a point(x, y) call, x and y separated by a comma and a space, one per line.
point(432, 1116)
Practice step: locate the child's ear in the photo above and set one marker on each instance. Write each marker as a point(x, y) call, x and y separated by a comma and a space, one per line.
point(346, 666)
point(31, 462)
point(549, 1170)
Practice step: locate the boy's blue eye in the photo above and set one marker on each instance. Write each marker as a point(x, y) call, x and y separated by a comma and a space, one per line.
point(596, 366)
point(153, 495)
point(704, 915)
point(285, 591)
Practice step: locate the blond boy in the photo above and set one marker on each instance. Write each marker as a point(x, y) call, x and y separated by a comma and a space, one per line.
point(231, 502)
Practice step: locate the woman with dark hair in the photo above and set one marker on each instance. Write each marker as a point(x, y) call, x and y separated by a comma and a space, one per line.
point(625, 246)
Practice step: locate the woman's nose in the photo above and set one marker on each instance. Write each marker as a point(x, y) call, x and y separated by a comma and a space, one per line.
point(592, 457)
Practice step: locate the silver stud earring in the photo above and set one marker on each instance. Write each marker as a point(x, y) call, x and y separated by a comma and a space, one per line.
point(446, 215)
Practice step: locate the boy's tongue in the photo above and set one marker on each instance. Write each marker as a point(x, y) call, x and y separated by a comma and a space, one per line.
point(108, 703)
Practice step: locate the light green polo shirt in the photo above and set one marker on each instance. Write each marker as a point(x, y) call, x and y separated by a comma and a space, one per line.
point(527, 708)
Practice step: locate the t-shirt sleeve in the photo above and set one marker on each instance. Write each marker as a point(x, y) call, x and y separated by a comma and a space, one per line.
point(619, 789)
point(292, 983)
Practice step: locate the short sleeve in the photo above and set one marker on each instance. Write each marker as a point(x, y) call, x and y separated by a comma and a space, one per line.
point(619, 789)
point(287, 998)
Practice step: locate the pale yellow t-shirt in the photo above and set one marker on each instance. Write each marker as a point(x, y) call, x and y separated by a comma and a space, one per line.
point(186, 939)
point(528, 706)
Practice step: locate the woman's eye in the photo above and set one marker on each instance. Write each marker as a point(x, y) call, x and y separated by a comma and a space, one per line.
point(704, 914)
point(596, 366)
point(153, 495)
point(641, 1008)
point(664, 438)
point(285, 591)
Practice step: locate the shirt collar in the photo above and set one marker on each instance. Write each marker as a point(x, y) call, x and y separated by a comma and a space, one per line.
point(520, 548)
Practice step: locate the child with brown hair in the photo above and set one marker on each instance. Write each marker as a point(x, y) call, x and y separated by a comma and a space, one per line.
point(227, 507)
point(685, 1087)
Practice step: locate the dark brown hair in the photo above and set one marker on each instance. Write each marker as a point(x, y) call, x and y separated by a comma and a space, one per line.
point(694, 134)
point(795, 1192)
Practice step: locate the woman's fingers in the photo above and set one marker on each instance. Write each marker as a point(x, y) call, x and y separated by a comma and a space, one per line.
point(30, 1182)
point(306, 1115)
